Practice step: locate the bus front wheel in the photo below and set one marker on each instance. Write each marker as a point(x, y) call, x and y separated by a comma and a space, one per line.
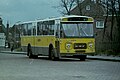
point(82, 57)
point(52, 54)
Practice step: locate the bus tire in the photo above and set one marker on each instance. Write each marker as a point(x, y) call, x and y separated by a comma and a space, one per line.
point(52, 54)
point(83, 58)
point(29, 51)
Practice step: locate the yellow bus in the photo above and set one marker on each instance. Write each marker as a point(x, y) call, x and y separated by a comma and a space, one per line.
point(68, 36)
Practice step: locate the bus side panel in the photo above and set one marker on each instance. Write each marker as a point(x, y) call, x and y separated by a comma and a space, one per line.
point(25, 41)
point(39, 44)
point(42, 44)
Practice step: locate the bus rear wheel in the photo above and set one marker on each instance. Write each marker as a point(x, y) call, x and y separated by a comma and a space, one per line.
point(29, 51)
point(52, 54)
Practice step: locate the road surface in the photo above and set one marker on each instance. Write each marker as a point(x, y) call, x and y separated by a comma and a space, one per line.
point(20, 67)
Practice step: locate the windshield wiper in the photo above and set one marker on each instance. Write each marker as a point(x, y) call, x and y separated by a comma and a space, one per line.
point(84, 32)
point(80, 29)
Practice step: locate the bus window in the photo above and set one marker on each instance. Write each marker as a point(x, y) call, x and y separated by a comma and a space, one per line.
point(51, 27)
point(25, 27)
point(45, 30)
point(78, 29)
point(29, 29)
point(34, 31)
point(51, 30)
point(21, 29)
point(39, 28)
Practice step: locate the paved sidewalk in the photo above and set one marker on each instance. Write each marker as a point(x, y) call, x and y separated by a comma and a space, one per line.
point(96, 57)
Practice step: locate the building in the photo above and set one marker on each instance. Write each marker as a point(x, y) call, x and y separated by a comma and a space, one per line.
point(2, 27)
point(2, 40)
point(2, 34)
point(0, 24)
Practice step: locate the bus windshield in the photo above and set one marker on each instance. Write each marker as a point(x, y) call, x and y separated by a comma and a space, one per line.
point(77, 29)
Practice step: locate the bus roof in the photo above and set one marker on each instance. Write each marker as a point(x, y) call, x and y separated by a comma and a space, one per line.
point(58, 18)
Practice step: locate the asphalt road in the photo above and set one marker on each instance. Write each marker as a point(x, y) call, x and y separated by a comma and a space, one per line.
point(20, 67)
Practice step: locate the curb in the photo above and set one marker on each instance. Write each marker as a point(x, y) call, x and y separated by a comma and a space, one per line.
point(13, 52)
point(103, 58)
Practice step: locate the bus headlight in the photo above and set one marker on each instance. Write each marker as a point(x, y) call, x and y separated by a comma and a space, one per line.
point(90, 45)
point(68, 46)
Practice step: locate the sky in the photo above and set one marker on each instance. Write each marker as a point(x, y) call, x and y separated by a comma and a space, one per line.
point(15, 11)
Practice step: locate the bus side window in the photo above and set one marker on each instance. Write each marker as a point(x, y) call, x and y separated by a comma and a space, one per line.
point(29, 26)
point(51, 29)
point(21, 29)
point(38, 28)
point(34, 31)
point(29, 32)
point(24, 29)
point(45, 30)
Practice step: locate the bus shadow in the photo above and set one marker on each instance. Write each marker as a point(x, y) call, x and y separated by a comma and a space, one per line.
point(63, 59)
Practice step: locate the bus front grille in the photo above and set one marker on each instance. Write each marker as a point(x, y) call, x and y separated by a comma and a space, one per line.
point(80, 51)
point(80, 46)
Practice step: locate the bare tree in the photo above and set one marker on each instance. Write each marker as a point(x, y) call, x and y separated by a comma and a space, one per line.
point(111, 9)
point(79, 2)
point(105, 22)
point(112, 19)
point(66, 6)
point(117, 13)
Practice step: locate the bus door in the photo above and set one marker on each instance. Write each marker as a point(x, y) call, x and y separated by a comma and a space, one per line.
point(34, 38)
point(57, 34)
